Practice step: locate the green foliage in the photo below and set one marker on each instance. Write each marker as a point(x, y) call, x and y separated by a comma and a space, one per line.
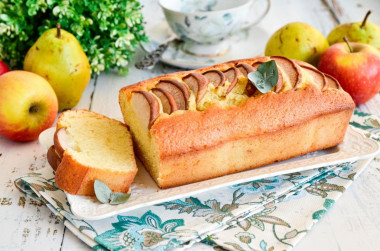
point(265, 77)
point(108, 30)
point(104, 194)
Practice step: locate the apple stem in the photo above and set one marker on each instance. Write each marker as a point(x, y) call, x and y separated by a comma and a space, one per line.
point(58, 30)
point(33, 109)
point(365, 19)
point(348, 44)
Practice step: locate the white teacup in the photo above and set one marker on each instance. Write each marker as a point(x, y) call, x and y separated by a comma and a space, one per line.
point(205, 24)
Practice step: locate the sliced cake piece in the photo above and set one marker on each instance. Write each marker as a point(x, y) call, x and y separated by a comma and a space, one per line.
point(215, 77)
point(197, 83)
point(53, 158)
point(167, 100)
point(178, 90)
point(98, 148)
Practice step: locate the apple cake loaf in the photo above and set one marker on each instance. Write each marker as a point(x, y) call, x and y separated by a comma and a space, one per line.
point(196, 125)
point(88, 147)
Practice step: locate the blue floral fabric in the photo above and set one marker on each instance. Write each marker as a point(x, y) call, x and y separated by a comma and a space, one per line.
point(255, 215)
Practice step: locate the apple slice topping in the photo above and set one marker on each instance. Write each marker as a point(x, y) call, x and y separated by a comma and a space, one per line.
point(331, 82)
point(197, 83)
point(62, 141)
point(292, 69)
point(167, 100)
point(245, 69)
point(178, 90)
point(319, 78)
point(257, 64)
point(302, 64)
point(215, 77)
point(146, 107)
point(232, 77)
point(53, 158)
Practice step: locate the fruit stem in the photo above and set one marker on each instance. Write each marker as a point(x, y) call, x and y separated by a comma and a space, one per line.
point(348, 44)
point(365, 19)
point(58, 30)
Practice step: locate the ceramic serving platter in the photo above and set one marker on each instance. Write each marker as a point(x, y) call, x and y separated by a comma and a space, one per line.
point(145, 192)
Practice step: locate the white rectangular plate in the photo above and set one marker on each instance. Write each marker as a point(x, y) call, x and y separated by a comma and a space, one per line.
point(145, 192)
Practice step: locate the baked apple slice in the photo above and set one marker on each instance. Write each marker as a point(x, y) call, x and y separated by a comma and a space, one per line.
point(245, 69)
point(197, 83)
point(331, 82)
point(302, 63)
point(62, 141)
point(215, 77)
point(167, 100)
point(292, 69)
point(146, 107)
point(319, 78)
point(232, 77)
point(178, 90)
point(53, 158)
point(257, 64)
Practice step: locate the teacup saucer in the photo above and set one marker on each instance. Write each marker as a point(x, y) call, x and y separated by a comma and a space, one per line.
point(247, 43)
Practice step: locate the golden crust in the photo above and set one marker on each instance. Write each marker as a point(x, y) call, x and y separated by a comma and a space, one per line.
point(189, 142)
point(76, 178)
point(194, 130)
point(247, 153)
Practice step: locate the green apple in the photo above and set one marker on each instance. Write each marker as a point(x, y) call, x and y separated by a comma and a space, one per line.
point(297, 41)
point(361, 32)
point(28, 105)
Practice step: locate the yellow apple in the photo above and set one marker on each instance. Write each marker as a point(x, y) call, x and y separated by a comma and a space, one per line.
point(28, 105)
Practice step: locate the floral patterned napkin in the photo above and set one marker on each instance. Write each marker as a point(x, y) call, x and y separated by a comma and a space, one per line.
point(257, 215)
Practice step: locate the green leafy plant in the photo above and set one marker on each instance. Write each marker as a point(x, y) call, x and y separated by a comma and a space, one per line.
point(108, 30)
point(104, 194)
point(265, 77)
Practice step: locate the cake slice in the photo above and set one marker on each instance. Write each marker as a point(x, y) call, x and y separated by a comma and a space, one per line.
point(89, 147)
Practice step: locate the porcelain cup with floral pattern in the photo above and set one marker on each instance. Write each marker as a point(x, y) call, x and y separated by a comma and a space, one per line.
point(204, 25)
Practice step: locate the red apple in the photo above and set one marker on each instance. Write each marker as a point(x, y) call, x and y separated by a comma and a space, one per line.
point(357, 69)
point(28, 105)
point(3, 68)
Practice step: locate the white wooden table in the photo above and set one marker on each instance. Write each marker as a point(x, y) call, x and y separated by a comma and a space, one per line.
point(352, 224)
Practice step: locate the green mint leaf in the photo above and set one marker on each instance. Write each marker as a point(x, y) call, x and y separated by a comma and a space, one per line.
point(102, 191)
point(119, 198)
point(265, 77)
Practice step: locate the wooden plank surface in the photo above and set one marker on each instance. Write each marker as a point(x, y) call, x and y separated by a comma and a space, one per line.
point(352, 224)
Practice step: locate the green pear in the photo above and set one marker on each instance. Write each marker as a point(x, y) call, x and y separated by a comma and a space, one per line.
point(297, 41)
point(361, 32)
point(58, 57)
